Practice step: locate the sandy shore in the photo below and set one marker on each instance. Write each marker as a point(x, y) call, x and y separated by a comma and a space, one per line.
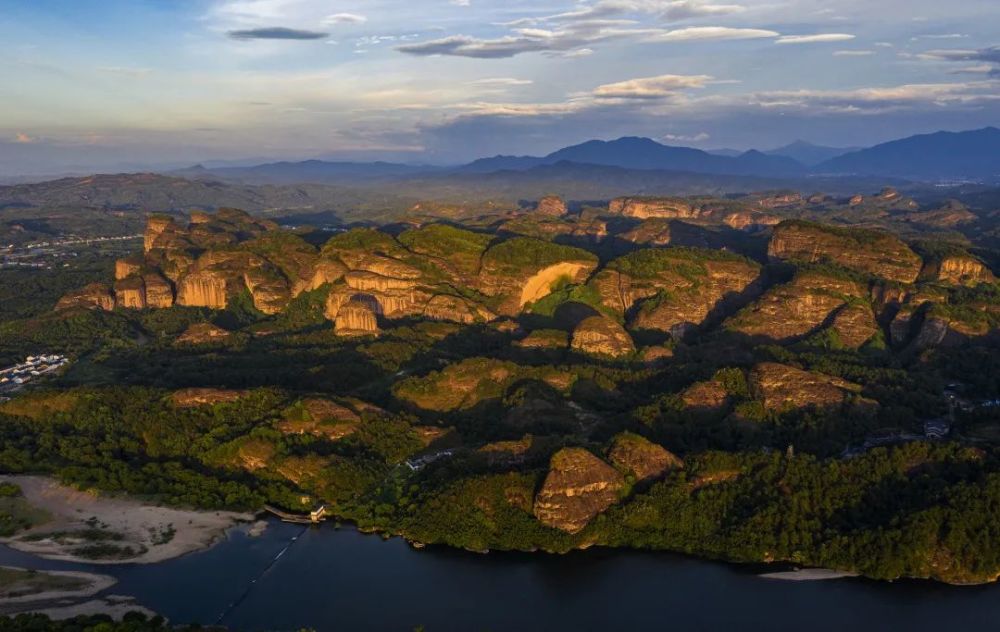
point(114, 607)
point(89, 585)
point(808, 575)
point(152, 533)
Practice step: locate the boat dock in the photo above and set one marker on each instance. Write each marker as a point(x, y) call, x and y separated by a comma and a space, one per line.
point(315, 516)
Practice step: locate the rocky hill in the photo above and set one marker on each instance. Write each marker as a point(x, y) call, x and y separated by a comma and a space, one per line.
point(550, 375)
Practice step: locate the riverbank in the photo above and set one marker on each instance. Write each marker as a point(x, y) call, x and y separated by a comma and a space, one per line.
point(86, 527)
point(808, 575)
point(21, 589)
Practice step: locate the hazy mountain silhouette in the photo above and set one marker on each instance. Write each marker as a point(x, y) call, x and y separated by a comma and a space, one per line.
point(809, 154)
point(971, 154)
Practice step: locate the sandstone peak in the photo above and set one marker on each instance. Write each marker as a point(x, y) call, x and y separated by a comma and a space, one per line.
point(602, 336)
point(552, 206)
point(357, 318)
point(868, 251)
point(641, 457)
point(782, 387)
point(578, 487)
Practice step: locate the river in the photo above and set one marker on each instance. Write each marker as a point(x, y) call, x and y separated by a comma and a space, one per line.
point(338, 579)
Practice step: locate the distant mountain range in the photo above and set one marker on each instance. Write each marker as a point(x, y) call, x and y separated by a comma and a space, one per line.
point(973, 155)
point(809, 154)
point(643, 153)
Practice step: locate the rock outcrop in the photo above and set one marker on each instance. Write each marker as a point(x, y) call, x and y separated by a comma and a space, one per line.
point(642, 458)
point(93, 296)
point(202, 333)
point(601, 336)
point(124, 268)
point(709, 396)
point(960, 270)
point(868, 251)
point(674, 290)
point(356, 318)
point(544, 339)
point(521, 270)
point(142, 291)
point(782, 387)
point(855, 325)
point(644, 208)
point(788, 312)
point(193, 397)
point(320, 417)
point(578, 487)
point(552, 206)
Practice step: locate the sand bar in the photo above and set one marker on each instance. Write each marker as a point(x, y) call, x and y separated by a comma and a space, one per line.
point(134, 531)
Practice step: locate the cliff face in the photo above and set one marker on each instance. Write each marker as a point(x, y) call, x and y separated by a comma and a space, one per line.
point(125, 268)
point(870, 252)
point(642, 458)
point(652, 232)
point(782, 387)
point(523, 270)
point(205, 288)
point(130, 293)
point(961, 270)
point(709, 396)
point(644, 208)
point(155, 227)
point(142, 291)
point(578, 487)
point(673, 290)
point(93, 296)
point(601, 336)
point(356, 318)
point(802, 306)
point(552, 206)
point(855, 325)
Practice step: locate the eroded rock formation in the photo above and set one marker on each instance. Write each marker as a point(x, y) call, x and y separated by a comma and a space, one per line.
point(782, 387)
point(872, 252)
point(202, 333)
point(578, 487)
point(802, 306)
point(642, 458)
point(93, 296)
point(601, 336)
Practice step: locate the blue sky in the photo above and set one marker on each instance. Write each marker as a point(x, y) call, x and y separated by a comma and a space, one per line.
point(127, 83)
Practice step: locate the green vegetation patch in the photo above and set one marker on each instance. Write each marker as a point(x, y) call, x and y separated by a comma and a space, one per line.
point(521, 254)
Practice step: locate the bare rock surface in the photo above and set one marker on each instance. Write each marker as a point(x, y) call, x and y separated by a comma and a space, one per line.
point(578, 487)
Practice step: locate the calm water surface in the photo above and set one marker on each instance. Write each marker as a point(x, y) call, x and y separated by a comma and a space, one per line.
point(329, 579)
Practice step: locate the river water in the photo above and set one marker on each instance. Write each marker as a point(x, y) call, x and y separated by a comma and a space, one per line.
point(338, 579)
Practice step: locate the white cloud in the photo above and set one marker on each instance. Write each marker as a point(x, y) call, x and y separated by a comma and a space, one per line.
point(853, 53)
point(816, 38)
point(502, 81)
point(686, 138)
point(572, 32)
point(659, 87)
point(685, 9)
point(345, 18)
point(712, 33)
point(881, 99)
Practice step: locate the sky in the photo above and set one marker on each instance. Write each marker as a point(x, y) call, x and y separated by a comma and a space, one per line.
point(128, 84)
